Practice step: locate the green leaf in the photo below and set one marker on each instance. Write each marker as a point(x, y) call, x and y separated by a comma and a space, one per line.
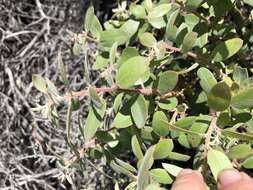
point(131, 70)
point(242, 136)
point(95, 99)
point(243, 99)
point(122, 121)
point(240, 75)
point(171, 29)
point(126, 165)
point(219, 97)
point(136, 148)
point(148, 5)
point(248, 163)
point(240, 151)
point(168, 104)
point(154, 187)
point(189, 41)
point(158, 22)
point(128, 53)
point(193, 4)
point(100, 63)
point(163, 148)
point(93, 121)
point(92, 23)
point(249, 2)
point(217, 162)
point(146, 164)
point(109, 37)
point(113, 52)
point(39, 83)
point(147, 39)
point(226, 49)
point(159, 11)
point(138, 11)
point(161, 176)
point(167, 81)
point(119, 169)
point(75, 104)
point(200, 126)
point(207, 80)
point(159, 127)
point(172, 169)
point(178, 156)
point(139, 111)
point(192, 67)
point(130, 27)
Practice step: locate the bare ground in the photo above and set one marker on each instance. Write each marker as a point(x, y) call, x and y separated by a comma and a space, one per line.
point(32, 34)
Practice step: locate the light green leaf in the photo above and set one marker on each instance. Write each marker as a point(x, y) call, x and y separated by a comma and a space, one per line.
point(92, 23)
point(189, 41)
point(217, 162)
point(158, 22)
point(126, 165)
point(100, 63)
point(39, 83)
point(243, 99)
point(131, 70)
point(178, 156)
point(95, 99)
point(192, 67)
point(249, 2)
point(161, 176)
point(159, 11)
point(93, 120)
point(226, 49)
point(207, 80)
point(130, 27)
point(139, 111)
point(147, 39)
point(146, 164)
point(240, 75)
point(138, 11)
point(219, 97)
point(171, 29)
point(122, 121)
point(119, 169)
point(168, 104)
point(163, 148)
point(128, 53)
point(148, 5)
point(167, 81)
point(154, 187)
point(248, 163)
point(242, 136)
point(240, 151)
point(109, 37)
point(113, 52)
point(172, 169)
point(136, 148)
point(159, 127)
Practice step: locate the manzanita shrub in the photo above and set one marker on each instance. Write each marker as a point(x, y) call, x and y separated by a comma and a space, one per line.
point(173, 90)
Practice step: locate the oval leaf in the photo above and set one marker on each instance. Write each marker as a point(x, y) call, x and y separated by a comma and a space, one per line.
point(132, 70)
point(147, 39)
point(159, 127)
point(217, 162)
point(226, 49)
point(207, 80)
point(167, 81)
point(163, 148)
point(219, 97)
point(139, 111)
point(161, 176)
